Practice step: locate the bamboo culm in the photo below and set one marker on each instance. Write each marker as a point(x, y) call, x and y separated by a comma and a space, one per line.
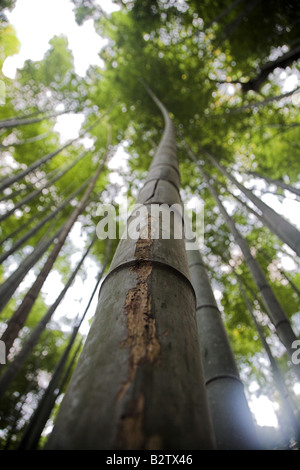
point(223, 13)
point(277, 375)
point(274, 309)
point(277, 182)
point(9, 286)
point(232, 421)
point(283, 273)
point(31, 437)
point(11, 194)
point(281, 227)
point(42, 223)
point(38, 191)
point(143, 387)
point(20, 315)
point(42, 413)
point(36, 215)
point(260, 217)
point(6, 182)
point(231, 27)
point(30, 140)
point(26, 120)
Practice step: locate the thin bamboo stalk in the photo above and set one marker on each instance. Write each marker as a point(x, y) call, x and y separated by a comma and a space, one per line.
point(15, 366)
point(143, 387)
point(231, 417)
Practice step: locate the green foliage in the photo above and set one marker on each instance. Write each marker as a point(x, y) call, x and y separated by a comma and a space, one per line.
point(86, 9)
point(6, 5)
point(183, 55)
point(9, 44)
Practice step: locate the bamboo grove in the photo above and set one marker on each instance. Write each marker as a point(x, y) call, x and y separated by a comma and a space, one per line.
point(194, 98)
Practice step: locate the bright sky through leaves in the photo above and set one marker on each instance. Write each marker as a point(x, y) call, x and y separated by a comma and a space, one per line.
point(55, 17)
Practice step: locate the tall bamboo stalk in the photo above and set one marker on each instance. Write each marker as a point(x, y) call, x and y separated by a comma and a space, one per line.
point(36, 215)
point(30, 140)
point(139, 381)
point(231, 27)
point(260, 217)
point(277, 182)
point(274, 309)
point(10, 285)
point(29, 197)
point(19, 317)
point(277, 375)
point(30, 185)
point(6, 182)
point(15, 366)
point(282, 272)
point(281, 227)
point(42, 413)
point(256, 104)
point(232, 421)
point(41, 224)
point(264, 221)
point(223, 13)
point(26, 120)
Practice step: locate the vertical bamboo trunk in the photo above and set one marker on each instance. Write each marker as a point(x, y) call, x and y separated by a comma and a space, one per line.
point(277, 376)
point(257, 104)
point(11, 284)
point(282, 61)
point(46, 208)
point(263, 220)
point(22, 227)
point(232, 421)
point(12, 194)
point(26, 120)
point(277, 182)
point(40, 224)
point(281, 227)
point(38, 420)
point(42, 413)
point(30, 140)
point(12, 370)
point(13, 429)
point(29, 185)
point(274, 309)
point(6, 182)
point(283, 273)
point(38, 191)
point(19, 317)
point(139, 381)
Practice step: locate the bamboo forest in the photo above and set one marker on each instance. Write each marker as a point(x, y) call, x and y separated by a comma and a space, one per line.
point(115, 333)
